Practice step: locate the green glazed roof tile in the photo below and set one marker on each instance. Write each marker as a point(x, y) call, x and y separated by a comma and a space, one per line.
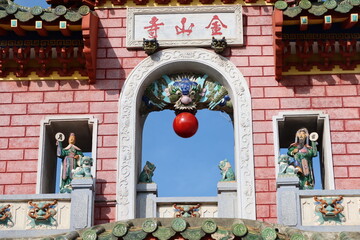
point(3, 14)
point(193, 234)
point(282, 5)
point(73, 16)
point(292, 11)
point(305, 4)
point(355, 2)
point(318, 10)
point(330, 4)
point(49, 17)
point(23, 16)
point(49, 14)
point(344, 7)
point(136, 235)
point(164, 233)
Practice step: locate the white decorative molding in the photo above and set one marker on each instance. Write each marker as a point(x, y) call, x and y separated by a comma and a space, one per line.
point(131, 123)
point(170, 19)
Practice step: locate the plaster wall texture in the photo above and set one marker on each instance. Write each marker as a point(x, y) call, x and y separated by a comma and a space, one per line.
point(24, 104)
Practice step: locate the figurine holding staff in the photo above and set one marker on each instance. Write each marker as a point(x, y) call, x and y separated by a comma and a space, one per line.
point(69, 156)
point(303, 154)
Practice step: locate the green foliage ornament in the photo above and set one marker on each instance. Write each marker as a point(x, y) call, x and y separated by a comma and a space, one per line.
point(268, 233)
point(164, 233)
point(120, 230)
point(209, 226)
point(239, 229)
point(178, 224)
point(149, 225)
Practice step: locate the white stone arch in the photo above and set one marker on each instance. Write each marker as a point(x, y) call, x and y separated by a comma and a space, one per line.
point(131, 123)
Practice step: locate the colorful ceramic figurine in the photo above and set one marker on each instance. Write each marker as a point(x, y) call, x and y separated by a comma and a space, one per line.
point(42, 213)
point(226, 170)
point(186, 92)
point(5, 214)
point(70, 156)
point(84, 170)
point(147, 173)
point(286, 166)
point(303, 154)
point(186, 211)
point(329, 209)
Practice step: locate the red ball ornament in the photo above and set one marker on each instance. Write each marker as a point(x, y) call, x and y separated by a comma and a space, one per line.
point(185, 125)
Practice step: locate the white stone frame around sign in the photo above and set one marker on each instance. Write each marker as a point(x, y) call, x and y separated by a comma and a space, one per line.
point(236, 9)
point(131, 122)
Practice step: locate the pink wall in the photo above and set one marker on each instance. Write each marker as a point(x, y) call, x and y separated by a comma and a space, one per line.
point(24, 104)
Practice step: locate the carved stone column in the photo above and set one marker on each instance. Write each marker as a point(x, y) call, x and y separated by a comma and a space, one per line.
point(82, 203)
point(288, 206)
point(227, 196)
point(146, 200)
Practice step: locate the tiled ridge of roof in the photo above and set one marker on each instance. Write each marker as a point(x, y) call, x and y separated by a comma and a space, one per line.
point(25, 14)
point(316, 8)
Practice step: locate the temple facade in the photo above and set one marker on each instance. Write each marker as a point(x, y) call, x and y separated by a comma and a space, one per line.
point(78, 79)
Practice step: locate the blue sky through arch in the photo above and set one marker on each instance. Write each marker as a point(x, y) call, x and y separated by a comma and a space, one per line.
point(187, 166)
point(32, 3)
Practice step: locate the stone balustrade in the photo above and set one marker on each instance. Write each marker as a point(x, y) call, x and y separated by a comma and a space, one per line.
point(222, 205)
point(33, 215)
point(317, 210)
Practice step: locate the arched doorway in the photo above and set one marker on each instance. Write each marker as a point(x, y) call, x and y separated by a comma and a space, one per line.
point(131, 122)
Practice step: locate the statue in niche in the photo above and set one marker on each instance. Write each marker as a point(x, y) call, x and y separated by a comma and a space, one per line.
point(226, 171)
point(70, 156)
point(84, 170)
point(302, 154)
point(147, 173)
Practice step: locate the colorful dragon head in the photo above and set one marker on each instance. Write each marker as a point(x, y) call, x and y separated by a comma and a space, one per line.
point(185, 92)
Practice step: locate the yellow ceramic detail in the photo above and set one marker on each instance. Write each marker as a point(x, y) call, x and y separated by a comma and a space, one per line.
point(54, 76)
point(316, 71)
